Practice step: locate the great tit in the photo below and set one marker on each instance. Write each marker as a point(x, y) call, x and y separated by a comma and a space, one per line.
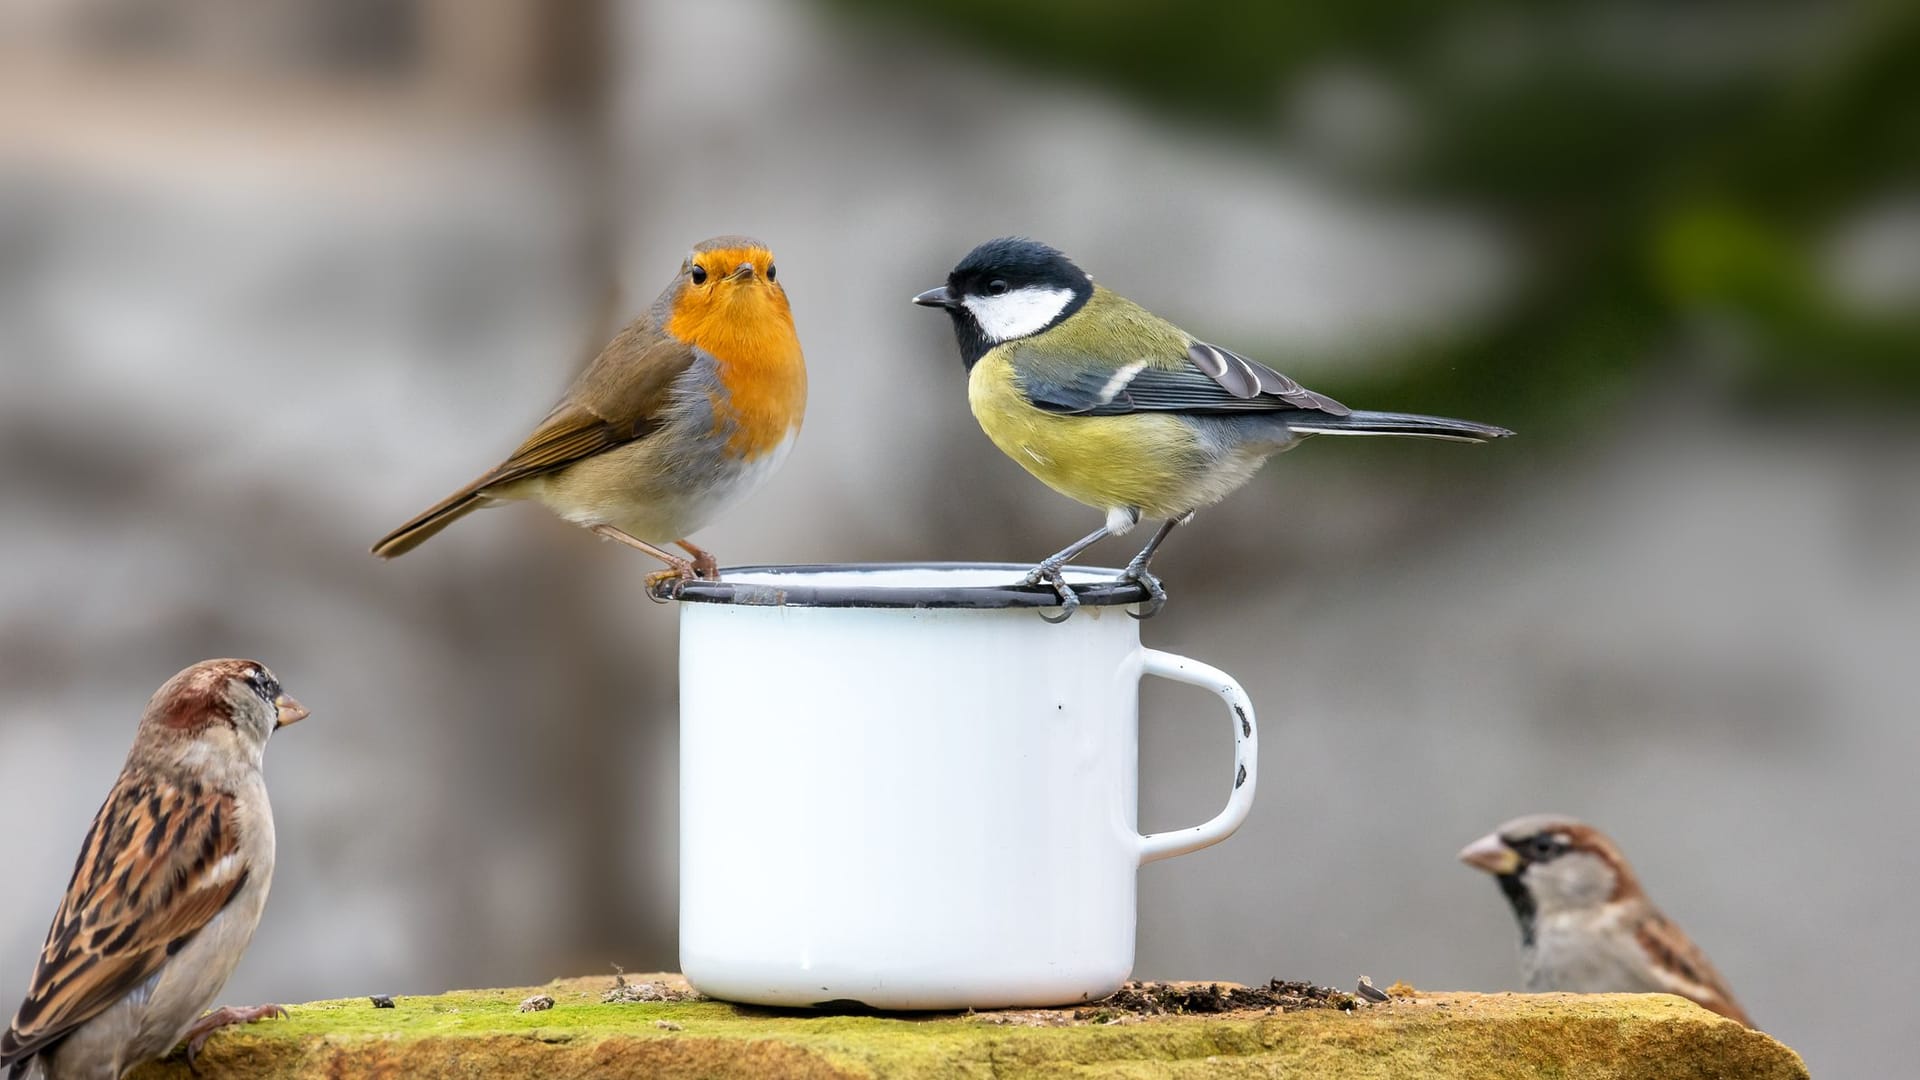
point(1117, 408)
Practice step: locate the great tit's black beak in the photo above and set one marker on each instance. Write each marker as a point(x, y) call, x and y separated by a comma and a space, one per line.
point(938, 297)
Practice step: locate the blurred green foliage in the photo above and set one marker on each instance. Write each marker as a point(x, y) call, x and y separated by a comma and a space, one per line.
point(1672, 173)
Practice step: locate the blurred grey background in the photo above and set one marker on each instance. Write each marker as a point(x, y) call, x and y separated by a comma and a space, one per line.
point(275, 276)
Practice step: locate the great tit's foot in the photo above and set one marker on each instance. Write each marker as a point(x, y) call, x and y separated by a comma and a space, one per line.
point(1156, 593)
point(705, 566)
point(1049, 572)
point(227, 1016)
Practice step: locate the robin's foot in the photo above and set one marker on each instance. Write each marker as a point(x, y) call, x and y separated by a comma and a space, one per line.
point(682, 569)
point(664, 585)
point(224, 1017)
point(704, 564)
point(1049, 573)
point(1156, 594)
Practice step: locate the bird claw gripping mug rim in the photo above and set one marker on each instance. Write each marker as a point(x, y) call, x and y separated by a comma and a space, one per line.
point(1093, 586)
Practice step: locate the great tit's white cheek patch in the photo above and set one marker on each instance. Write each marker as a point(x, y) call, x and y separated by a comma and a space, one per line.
point(1018, 313)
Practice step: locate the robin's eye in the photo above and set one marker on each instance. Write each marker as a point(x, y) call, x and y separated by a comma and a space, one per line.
point(769, 271)
point(996, 287)
point(698, 274)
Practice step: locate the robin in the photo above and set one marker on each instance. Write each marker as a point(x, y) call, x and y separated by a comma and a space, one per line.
point(685, 411)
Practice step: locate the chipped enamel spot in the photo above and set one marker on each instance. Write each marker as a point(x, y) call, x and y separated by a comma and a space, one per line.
point(1018, 313)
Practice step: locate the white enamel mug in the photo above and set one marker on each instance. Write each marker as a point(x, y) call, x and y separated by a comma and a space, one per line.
point(900, 787)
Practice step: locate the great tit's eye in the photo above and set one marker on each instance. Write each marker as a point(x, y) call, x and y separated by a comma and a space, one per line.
point(769, 271)
point(698, 274)
point(996, 287)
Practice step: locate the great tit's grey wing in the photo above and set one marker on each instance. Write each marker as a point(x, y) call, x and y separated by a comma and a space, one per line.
point(1208, 379)
point(1247, 379)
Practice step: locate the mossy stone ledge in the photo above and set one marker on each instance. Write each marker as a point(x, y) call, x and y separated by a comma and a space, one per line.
point(653, 1026)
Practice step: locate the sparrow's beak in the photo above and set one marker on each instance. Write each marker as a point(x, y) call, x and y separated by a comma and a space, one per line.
point(1490, 853)
point(744, 270)
point(291, 712)
point(940, 297)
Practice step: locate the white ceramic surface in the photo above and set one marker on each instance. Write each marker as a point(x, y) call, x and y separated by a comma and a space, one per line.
point(919, 809)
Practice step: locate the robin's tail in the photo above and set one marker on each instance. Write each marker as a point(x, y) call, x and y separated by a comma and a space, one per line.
point(1393, 423)
point(431, 521)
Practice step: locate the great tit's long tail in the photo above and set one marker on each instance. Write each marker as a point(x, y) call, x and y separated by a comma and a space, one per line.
point(1361, 422)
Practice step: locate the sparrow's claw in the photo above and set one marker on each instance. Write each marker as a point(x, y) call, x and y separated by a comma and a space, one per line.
point(226, 1016)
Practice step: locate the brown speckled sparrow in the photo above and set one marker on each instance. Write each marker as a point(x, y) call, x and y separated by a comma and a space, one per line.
point(1585, 926)
point(169, 885)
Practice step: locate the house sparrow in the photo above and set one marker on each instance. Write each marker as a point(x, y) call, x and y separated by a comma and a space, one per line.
point(168, 887)
point(1585, 926)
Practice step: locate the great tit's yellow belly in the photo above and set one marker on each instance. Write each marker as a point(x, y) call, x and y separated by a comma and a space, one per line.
point(1151, 462)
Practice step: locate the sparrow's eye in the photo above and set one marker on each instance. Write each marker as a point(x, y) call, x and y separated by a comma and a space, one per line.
point(1542, 847)
point(698, 274)
point(996, 287)
point(263, 684)
point(769, 271)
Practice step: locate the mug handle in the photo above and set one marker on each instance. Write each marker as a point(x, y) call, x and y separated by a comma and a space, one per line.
point(1246, 756)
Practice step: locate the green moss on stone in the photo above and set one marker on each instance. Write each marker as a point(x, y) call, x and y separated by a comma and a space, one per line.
point(482, 1034)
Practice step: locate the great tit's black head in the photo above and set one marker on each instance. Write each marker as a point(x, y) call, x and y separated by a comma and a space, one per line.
point(1547, 863)
point(1006, 289)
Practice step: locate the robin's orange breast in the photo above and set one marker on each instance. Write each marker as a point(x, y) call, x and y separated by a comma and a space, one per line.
point(762, 394)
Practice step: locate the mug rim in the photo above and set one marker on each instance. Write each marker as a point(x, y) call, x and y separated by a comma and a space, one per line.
point(1014, 594)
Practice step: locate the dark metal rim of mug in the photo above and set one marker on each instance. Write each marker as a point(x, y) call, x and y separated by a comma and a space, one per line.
point(1016, 593)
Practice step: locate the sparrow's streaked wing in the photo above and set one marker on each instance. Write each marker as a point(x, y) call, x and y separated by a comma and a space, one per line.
point(160, 861)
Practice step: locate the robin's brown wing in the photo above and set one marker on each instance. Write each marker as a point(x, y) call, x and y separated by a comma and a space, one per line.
point(619, 398)
point(159, 862)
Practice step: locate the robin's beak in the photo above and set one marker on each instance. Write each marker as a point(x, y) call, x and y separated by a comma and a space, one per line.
point(291, 712)
point(1490, 853)
point(744, 270)
point(940, 297)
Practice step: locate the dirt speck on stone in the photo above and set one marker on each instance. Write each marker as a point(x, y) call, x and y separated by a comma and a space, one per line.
point(1138, 1000)
point(1161, 999)
point(537, 1003)
point(624, 992)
